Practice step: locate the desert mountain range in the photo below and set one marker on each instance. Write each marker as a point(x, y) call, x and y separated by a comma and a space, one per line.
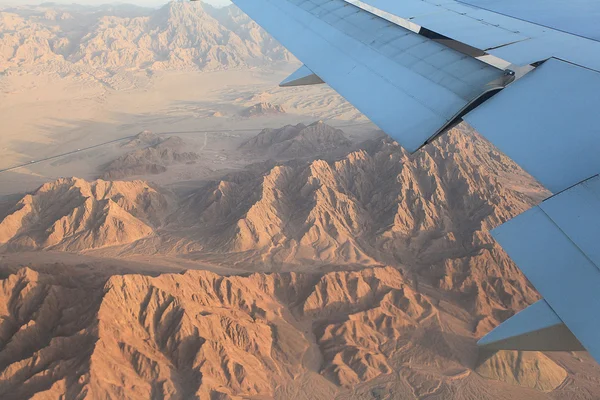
point(376, 205)
point(108, 40)
point(154, 156)
point(300, 141)
point(73, 214)
point(261, 109)
point(199, 335)
point(216, 259)
point(375, 275)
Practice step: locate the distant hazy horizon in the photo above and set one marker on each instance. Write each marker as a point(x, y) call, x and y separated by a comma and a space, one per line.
point(147, 3)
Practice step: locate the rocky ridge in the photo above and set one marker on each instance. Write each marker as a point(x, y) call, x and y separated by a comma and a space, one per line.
point(261, 109)
point(199, 335)
point(71, 214)
point(145, 138)
point(428, 214)
point(300, 141)
point(153, 159)
point(102, 41)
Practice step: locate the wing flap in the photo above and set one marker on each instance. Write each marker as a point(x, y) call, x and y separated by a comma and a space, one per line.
point(550, 244)
point(536, 328)
point(517, 41)
point(577, 212)
point(450, 19)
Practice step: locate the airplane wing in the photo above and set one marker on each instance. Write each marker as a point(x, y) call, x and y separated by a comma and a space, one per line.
point(409, 85)
point(526, 75)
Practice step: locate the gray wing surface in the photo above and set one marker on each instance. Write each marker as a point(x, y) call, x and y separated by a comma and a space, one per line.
point(579, 17)
point(555, 245)
point(416, 67)
point(409, 85)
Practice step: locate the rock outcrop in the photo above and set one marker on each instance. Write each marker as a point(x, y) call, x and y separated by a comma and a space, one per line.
point(261, 109)
point(529, 369)
point(198, 335)
point(300, 141)
point(143, 139)
point(379, 205)
point(73, 214)
point(179, 36)
point(153, 159)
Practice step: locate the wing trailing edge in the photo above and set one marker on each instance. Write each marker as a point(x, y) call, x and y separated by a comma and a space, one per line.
point(555, 245)
point(536, 328)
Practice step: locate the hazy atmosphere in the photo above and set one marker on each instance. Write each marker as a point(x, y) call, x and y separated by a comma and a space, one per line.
point(143, 3)
point(175, 225)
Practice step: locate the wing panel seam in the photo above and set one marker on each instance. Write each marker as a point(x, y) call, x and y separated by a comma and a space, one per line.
point(357, 61)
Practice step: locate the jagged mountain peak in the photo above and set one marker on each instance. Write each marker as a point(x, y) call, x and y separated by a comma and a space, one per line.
point(73, 214)
point(300, 141)
point(378, 204)
point(180, 14)
point(181, 35)
point(202, 335)
point(261, 109)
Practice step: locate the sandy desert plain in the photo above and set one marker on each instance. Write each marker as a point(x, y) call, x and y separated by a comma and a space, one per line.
point(173, 225)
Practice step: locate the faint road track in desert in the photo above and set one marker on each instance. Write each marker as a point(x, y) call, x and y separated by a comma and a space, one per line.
point(41, 160)
point(205, 140)
point(206, 132)
point(62, 155)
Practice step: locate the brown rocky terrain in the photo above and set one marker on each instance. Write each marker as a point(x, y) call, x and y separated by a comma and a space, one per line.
point(394, 278)
point(428, 214)
point(143, 139)
point(522, 368)
point(299, 141)
point(198, 335)
point(72, 214)
point(338, 271)
point(261, 109)
point(153, 159)
point(102, 41)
